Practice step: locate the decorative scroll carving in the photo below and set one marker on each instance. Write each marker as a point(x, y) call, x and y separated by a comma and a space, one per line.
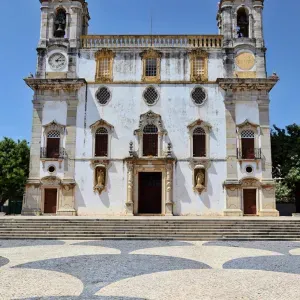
point(207, 126)
point(250, 182)
point(101, 123)
point(55, 127)
point(51, 181)
point(150, 118)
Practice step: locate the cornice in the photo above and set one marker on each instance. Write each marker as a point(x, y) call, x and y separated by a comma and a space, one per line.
point(55, 84)
point(248, 84)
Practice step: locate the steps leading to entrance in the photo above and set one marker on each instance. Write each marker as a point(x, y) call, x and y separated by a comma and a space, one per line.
point(147, 228)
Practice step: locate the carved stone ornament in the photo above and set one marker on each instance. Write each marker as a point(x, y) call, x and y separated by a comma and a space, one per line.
point(150, 118)
point(250, 182)
point(201, 123)
point(55, 127)
point(247, 84)
point(199, 179)
point(51, 181)
point(66, 85)
point(100, 175)
point(247, 123)
point(101, 123)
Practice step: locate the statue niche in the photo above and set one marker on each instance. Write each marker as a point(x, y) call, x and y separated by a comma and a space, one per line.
point(100, 179)
point(199, 179)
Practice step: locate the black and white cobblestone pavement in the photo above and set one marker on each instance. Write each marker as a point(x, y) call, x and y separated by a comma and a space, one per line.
point(135, 270)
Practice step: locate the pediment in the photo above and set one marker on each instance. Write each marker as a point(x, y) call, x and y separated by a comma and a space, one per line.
point(247, 123)
point(201, 123)
point(100, 123)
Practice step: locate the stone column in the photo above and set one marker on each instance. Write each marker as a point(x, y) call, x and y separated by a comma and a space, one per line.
point(74, 30)
point(32, 203)
point(130, 187)
point(233, 202)
point(265, 138)
point(71, 139)
point(169, 190)
point(268, 201)
point(44, 25)
point(227, 22)
point(51, 25)
point(67, 206)
point(231, 145)
point(258, 23)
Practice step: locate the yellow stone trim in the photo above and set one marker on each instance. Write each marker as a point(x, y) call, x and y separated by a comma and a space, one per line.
point(246, 74)
point(150, 53)
point(102, 54)
point(193, 56)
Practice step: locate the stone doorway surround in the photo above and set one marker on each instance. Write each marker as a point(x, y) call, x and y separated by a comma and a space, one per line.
point(34, 199)
point(265, 197)
point(161, 165)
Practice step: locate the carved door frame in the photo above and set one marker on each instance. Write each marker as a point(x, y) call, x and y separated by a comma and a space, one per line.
point(257, 199)
point(163, 167)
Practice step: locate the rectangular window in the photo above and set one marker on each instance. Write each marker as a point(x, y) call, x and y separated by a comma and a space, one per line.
point(248, 151)
point(104, 65)
point(151, 67)
point(199, 148)
point(53, 147)
point(101, 149)
point(150, 145)
point(198, 68)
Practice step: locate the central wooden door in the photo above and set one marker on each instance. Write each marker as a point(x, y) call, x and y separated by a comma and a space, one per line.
point(250, 202)
point(150, 193)
point(50, 202)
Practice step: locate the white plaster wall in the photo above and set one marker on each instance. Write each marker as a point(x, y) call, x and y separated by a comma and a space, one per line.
point(247, 110)
point(111, 201)
point(210, 202)
point(127, 65)
point(123, 112)
point(53, 111)
point(257, 169)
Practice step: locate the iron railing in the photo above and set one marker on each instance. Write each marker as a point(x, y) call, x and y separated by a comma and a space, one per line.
point(249, 153)
point(59, 153)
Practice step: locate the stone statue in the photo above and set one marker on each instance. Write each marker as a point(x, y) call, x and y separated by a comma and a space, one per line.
point(200, 181)
point(100, 180)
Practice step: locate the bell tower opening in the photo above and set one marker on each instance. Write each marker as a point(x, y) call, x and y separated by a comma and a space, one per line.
point(60, 23)
point(242, 23)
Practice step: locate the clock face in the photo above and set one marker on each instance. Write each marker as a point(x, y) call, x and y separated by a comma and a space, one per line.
point(57, 61)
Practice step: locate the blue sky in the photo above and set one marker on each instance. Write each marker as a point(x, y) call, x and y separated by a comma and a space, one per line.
point(20, 25)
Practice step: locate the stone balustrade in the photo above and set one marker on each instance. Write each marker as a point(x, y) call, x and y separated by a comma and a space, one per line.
point(160, 41)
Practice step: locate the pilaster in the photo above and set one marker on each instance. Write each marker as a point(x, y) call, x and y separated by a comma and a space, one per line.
point(130, 187)
point(44, 25)
point(71, 139)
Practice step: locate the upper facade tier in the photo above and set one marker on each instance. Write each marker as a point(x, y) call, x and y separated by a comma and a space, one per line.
point(157, 41)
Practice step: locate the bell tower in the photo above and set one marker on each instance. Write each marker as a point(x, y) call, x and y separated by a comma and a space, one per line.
point(63, 22)
point(240, 22)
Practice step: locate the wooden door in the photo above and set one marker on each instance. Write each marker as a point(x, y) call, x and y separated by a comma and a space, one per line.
point(50, 202)
point(150, 193)
point(53, 147)
point(250, 202)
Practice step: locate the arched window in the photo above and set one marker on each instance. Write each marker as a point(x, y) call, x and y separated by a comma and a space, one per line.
point(101, 142)
point(53, 144)
point(199, 142)
point(242, 23)
point(60, 24)
point(248, 144)
point(150, 140)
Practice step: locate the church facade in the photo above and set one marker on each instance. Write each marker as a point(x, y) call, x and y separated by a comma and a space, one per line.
point(152, 124)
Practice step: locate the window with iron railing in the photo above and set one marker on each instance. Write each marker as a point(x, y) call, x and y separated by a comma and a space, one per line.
point(53, 144)
point(150, 140)
point(248, 150)
point(199, 142)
